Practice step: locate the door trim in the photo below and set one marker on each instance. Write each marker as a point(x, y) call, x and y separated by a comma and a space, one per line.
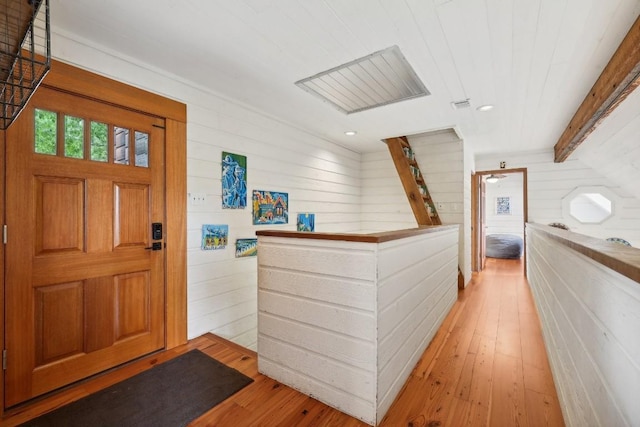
point(475, 206)
point(86, 84)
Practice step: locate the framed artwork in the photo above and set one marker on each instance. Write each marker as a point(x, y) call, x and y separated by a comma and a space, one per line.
point(270, 207)
point(234, 181)
point(246, 248)
point(306, 222)
point(503, 205)
point(214, 236)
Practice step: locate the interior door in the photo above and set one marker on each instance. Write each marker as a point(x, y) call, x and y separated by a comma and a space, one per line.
point(84, 285)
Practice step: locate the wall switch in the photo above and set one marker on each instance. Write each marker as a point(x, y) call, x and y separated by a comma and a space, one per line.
point(197, 198)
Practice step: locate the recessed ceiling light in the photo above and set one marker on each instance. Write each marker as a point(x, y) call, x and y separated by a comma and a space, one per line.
point(350, 132)
point(485, 107)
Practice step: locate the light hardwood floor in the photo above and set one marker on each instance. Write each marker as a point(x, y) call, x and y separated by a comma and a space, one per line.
point(486, 366)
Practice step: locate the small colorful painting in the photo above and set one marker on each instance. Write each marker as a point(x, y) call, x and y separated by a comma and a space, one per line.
point(270, 207)
point(246, 248)
point(234, 181)
point(503, 206)
point(214, 236)
point(306, 222)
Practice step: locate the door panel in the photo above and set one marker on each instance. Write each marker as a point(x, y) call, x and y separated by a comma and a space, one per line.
point(59, 214)
point(130, 229)
point(83, 292)
point(133, 314)
point(58, 318)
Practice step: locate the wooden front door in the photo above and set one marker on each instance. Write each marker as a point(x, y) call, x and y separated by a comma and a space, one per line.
point(84, 290)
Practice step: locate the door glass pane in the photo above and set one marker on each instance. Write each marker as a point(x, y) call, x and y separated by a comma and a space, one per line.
point(73, 137)
point(46, 125)
point(142, 149)
point(99, 142)
point(120, 145)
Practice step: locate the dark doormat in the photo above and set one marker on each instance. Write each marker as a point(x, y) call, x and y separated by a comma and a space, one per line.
point(171, 394)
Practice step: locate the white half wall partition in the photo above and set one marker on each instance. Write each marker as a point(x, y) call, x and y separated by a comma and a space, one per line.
point(587, 294)
point(344, 318)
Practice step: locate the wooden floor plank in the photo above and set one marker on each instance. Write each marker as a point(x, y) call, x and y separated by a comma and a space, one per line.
point(463, 388)
point(507, 393)
point(482, 381)
point(542, 409)
point(486, 366)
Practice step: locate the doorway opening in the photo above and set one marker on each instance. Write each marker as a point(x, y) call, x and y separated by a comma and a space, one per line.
point(499, 210)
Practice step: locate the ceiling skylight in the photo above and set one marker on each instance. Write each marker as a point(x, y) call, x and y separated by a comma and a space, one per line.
point(378, 79)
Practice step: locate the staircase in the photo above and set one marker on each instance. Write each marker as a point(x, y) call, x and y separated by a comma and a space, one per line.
point(413, 182)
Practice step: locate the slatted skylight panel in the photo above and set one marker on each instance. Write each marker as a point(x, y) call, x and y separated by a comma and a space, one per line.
point(367, 92)
point(359, 94)
point(382, 78)
point(325, 87)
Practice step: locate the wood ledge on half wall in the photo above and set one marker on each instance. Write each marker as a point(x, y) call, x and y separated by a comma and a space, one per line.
point(620, 258)
point(379, 237)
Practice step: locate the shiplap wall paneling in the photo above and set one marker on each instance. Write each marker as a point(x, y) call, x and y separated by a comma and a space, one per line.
point(320, 177)
point(512, 223)
point(590, 319)
point(350, 334)
point(441, 157)
point(384, 203)
point(469, 168)
point(317, 323)
point(441, 161)
point(315, 180)
point(548, 183)
point(417, 286)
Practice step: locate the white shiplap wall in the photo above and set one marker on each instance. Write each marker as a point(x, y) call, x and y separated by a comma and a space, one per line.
point(351, 335)
point(446, 169)
point(317, 326)
point(549, 183)
point(384, 203)
point(590, 318)
point(441, 157)
point(510, 186)
point(469, 168)
point(417, 286)
point(320, 177)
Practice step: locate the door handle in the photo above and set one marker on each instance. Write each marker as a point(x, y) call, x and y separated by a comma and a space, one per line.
point(155, 246)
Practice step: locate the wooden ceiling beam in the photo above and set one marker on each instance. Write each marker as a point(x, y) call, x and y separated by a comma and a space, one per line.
point(618, 79)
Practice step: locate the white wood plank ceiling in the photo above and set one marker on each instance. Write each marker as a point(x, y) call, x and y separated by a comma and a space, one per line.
point(534, 60)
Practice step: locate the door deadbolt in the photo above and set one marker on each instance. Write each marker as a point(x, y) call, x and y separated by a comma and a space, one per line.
point(155, 246)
